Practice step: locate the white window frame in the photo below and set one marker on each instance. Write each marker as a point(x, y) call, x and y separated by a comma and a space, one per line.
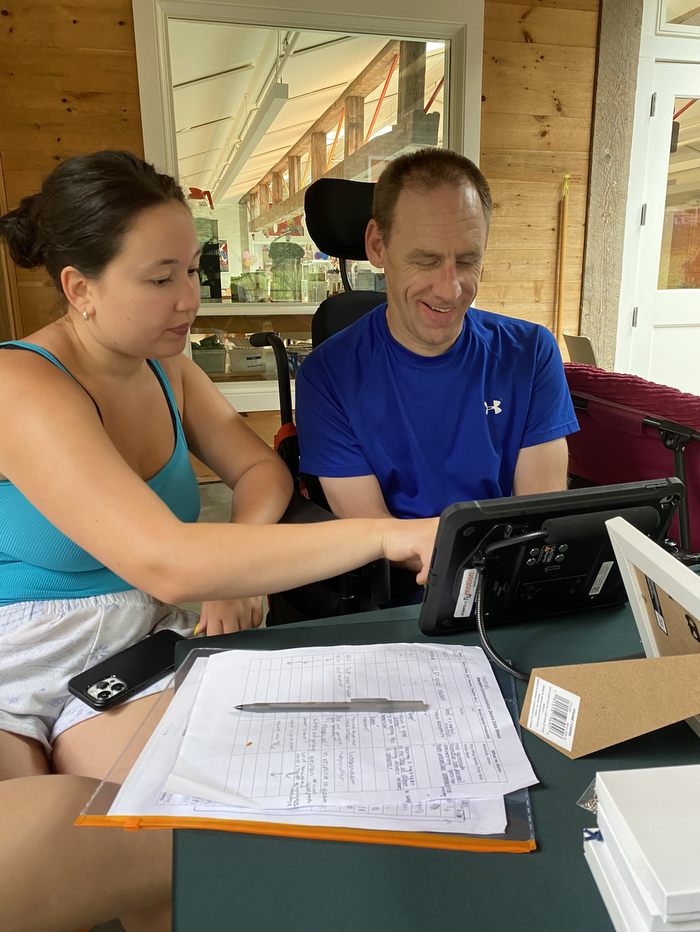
point(464, 61)
point(672, 29)
point(464, 68)
point(660, 42)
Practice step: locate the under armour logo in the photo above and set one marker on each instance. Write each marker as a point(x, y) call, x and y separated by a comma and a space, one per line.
point(495, 407)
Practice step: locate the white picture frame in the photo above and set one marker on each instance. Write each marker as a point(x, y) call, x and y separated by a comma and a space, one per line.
point(667, 615)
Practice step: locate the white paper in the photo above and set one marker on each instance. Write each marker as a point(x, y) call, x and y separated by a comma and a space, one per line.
point(450, 817)
point(143, 795)
point(147, 776)
point(464, 746)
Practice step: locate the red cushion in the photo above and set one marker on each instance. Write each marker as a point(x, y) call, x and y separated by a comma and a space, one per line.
point(660, 401)
point(614, 445)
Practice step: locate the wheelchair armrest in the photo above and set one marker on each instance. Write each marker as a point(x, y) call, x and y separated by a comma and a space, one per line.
point(302, 511)
point(376, 574)
point(379, 574)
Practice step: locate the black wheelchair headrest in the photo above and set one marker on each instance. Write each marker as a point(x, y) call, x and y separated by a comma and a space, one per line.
point(340, 310)
point(337, 214)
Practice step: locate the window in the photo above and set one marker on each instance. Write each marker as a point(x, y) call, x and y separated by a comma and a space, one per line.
point(679, 265)
point(681, 13)
point(260, 113)
point(248, 105)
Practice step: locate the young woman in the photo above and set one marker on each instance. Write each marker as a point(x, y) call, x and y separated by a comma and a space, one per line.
point(98, 539)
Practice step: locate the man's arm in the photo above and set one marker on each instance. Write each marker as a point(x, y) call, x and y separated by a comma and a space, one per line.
point(355, 497)
point(541, 468)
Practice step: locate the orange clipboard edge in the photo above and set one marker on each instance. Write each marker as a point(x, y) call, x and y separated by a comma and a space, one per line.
point(366, 836)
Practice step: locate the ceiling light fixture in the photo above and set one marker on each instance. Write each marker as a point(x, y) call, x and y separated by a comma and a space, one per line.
point(273, 101)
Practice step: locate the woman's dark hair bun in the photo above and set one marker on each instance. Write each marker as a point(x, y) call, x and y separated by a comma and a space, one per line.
point(20, 231)
point(84, 210)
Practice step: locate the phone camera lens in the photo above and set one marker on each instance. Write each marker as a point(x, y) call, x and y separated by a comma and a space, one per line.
point(105, 694)
point(103, 685)
point(117, 687)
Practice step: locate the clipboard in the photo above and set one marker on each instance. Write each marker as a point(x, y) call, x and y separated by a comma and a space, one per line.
point(518, 837)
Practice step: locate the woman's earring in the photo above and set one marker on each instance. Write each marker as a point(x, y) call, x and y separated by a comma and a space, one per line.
point(86, 315)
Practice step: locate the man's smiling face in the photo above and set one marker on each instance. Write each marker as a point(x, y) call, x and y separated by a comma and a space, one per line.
point(432, 262)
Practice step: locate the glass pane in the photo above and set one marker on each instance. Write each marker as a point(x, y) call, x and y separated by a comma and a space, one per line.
point(682, 12)
point(260, 113)
point(679, 265)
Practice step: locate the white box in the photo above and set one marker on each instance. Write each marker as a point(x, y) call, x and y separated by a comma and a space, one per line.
point(623, 872)
point(655, 816)
point(243, 359)
point(623, 911)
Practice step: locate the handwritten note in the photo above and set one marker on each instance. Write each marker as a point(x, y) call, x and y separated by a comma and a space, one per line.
point(142, 793)
point(464, 746)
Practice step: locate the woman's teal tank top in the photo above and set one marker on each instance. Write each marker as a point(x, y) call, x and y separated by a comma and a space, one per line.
point(38, 562)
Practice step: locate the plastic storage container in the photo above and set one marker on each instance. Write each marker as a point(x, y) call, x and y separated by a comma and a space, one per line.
point(210, 360)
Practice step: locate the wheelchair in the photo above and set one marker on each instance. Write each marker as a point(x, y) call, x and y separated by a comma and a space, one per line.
point(337, 214)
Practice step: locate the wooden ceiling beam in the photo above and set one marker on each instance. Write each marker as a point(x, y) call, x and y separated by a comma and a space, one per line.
point(354, 124)
point(363, 85)
point(416, 129)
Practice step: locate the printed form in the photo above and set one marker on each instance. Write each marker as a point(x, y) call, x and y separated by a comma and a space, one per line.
point(142, 793)
point(464, 747)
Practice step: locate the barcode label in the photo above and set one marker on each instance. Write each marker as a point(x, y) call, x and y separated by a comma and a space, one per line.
point(553, 713)
point(603, 572)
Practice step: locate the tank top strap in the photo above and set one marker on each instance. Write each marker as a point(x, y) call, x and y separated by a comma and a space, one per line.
point(159, 373)
point(154, 365)
point(33, 348)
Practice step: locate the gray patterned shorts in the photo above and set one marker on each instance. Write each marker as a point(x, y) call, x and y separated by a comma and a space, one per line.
point(45, 644)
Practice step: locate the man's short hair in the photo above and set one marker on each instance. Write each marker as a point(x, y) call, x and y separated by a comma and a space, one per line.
point(426, 169)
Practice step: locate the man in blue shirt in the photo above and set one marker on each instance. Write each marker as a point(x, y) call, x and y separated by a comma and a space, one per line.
point(426, 401)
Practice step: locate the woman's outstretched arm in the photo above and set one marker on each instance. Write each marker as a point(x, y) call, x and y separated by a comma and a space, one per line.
point(55, 450)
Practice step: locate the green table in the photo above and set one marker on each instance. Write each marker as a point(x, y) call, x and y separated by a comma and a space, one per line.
point(225, 882)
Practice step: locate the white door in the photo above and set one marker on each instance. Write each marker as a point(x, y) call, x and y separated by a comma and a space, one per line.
point(665, 344)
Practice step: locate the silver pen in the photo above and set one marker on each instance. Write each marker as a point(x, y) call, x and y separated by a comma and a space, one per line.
point(354, 705)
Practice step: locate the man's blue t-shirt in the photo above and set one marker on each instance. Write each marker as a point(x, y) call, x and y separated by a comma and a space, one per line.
point(434, 430)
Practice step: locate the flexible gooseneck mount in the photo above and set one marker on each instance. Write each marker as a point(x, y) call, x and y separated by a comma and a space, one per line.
point(480, 561)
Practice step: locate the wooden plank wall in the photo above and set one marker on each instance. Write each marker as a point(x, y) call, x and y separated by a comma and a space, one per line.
point(8, 280)
point(68, 84)
point(538, 88)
